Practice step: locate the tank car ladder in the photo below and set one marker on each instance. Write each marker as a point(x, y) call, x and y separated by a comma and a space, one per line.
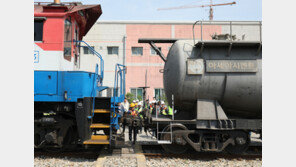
point(159, 141)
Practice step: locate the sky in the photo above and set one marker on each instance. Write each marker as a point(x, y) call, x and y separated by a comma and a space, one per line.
point(247, 10)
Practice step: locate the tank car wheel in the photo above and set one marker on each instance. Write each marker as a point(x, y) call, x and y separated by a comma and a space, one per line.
point(241, 140)
point(174, 148)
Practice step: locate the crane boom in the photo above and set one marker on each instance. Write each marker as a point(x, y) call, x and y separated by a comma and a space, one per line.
point(196, 6)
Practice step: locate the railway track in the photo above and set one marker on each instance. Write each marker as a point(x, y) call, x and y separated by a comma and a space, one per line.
point(155, 151)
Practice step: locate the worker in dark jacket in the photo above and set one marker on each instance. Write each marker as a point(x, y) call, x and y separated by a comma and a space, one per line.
point(133, 123)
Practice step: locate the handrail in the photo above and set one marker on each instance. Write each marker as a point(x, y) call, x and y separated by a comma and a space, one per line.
point(97, 77)
point(120, 71)
point(99, 56)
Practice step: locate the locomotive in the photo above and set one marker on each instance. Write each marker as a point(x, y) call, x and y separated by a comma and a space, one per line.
point(68, 110)
point(215, 88)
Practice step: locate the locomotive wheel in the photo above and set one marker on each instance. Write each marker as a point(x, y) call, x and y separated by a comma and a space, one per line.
point(241, 140)
point(174, 148)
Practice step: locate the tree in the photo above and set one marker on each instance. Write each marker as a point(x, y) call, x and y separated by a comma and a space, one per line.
point(140, 98)
point(130, 97)
point(163, 98)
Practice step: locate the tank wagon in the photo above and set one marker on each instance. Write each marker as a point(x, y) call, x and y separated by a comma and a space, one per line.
point(215, 88)
point(68, 110)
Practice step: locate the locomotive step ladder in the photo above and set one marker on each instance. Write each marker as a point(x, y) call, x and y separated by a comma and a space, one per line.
point(100, 122)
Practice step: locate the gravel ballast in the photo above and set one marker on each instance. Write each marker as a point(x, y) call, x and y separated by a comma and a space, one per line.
point(178, 162)
point(120, 162)
point(66, 161)
point(150, 162)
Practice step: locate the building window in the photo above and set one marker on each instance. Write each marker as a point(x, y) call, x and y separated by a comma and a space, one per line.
point(112, 50)
point(137, 93)
point(153, 52)
point(38, 30)
point(137, 51)
point(159, 94)
point(86, 50)
point(67, 39)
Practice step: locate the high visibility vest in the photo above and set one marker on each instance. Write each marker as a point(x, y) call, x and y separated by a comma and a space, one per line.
point(164, 112)
point(140, 112)
point(170, 111)
point(134, 113)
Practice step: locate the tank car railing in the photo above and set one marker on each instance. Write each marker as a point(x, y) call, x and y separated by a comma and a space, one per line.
point(230, 23)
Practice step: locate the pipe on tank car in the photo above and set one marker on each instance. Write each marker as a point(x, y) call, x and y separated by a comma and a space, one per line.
point(57, 1)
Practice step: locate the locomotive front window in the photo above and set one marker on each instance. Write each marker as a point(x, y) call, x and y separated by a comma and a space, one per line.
point(68, 40)
point(38, 30)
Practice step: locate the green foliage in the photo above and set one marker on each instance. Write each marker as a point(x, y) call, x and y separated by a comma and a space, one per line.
point(140, 97)
point(130, 97)
point(163, 98)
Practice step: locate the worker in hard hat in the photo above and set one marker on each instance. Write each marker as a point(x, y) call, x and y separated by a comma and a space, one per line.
point(170, 112)
point(125, 109)
point(158, 108)
point(133, 128)
point(136, 106)
point(140, 113)
point(133, 111)
point(163, 108)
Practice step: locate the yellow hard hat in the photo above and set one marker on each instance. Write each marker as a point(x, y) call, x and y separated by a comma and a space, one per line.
point(136, 104)
point(132, 105)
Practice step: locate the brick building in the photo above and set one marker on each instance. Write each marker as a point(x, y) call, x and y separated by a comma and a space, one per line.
point(117, 42)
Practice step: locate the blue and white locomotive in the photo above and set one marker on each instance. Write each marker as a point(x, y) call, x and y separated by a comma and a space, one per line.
point(67, 108)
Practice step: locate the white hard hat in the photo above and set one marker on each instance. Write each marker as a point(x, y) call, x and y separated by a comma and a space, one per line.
point(162, 102)
point(140, 103)
point(134, 101)
point(137, 100)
